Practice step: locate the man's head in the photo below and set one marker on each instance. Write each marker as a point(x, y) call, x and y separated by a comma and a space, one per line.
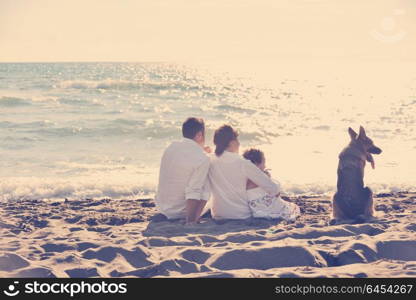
point(194, 129)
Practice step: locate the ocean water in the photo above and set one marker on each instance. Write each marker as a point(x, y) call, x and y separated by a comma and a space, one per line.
point(88, 130)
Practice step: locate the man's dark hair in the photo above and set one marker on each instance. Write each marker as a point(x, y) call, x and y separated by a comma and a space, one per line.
point(192, 126)
point(256, 156)
point(222, 138)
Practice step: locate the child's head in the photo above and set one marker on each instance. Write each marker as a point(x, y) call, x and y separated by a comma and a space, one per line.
point(256, 156)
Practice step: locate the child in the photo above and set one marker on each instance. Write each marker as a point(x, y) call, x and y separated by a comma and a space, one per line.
point(261, 204)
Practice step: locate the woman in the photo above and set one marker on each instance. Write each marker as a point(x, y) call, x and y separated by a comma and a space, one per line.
point(228, 176)
point(260, 203)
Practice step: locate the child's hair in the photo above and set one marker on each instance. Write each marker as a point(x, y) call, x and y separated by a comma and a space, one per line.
point(254, 155)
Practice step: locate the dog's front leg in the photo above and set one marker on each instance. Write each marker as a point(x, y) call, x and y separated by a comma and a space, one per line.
point(369, 208)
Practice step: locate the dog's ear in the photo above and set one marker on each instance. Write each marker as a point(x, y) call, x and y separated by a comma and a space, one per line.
point(352, 133)
point(362, 132)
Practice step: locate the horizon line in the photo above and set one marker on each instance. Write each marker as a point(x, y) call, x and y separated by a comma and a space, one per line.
point(84, 61)
point(320, 59)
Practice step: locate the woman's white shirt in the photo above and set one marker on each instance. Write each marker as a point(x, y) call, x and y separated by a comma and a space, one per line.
point(228, 175)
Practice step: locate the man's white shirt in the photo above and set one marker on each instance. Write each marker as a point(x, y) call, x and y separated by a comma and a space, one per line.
point(183, 175)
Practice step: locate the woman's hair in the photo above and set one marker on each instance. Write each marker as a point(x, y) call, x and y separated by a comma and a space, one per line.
point(256, 156)
point(222, 138)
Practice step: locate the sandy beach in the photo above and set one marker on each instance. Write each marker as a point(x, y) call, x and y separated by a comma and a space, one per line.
point(127, 238)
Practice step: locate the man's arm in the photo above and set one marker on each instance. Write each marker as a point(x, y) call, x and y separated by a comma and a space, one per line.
point(196, 192)
point(193, 210)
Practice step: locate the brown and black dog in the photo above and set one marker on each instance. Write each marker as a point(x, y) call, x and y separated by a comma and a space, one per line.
point(353, 201)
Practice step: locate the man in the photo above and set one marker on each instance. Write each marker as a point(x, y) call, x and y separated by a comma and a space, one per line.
point(183, 184)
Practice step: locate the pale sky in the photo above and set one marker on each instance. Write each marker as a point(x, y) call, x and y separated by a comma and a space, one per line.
point(177, 30)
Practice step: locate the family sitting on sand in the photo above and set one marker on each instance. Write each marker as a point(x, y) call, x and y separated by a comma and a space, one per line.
point(241, 186)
